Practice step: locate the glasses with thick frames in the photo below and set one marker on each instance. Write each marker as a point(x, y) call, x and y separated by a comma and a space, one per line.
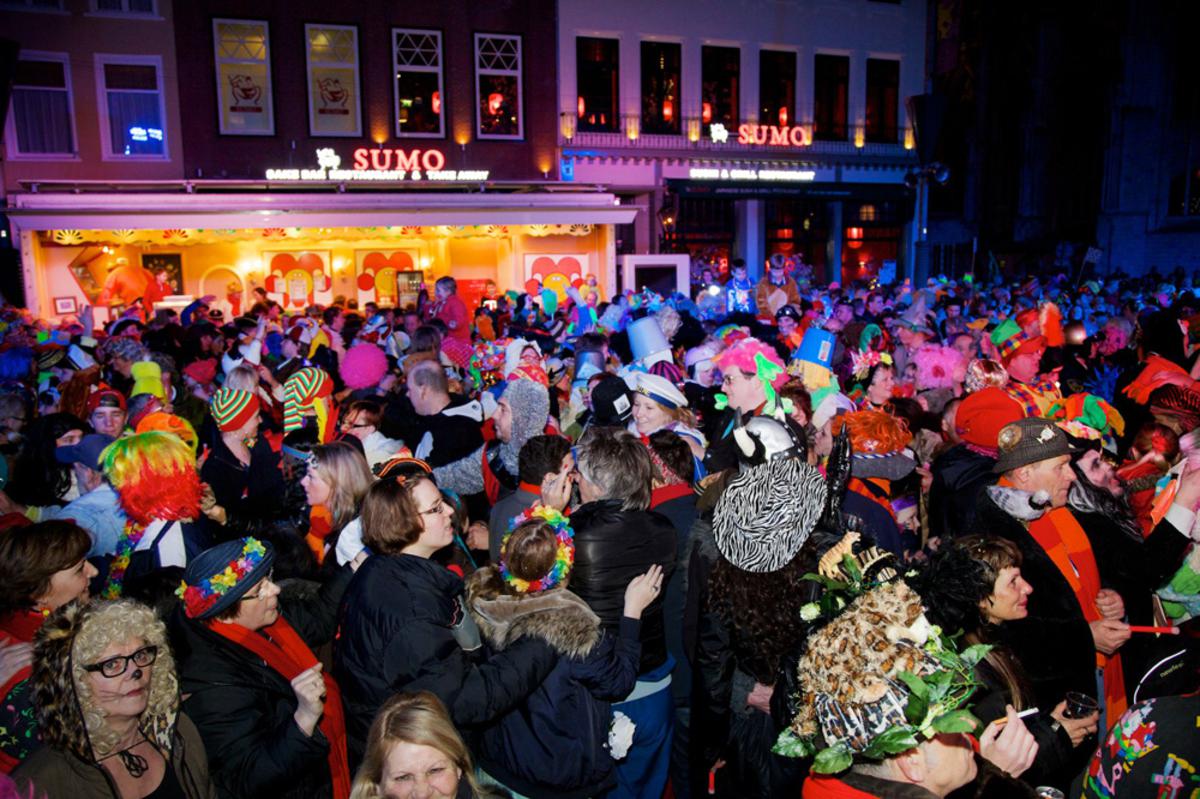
point(116, 666)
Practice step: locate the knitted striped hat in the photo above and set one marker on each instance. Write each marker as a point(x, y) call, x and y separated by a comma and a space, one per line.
point(301, 392)
point(1011, 341)
point(232, 408)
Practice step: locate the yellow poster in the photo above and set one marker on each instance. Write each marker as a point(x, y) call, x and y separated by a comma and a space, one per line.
point(333, 94)
point(242, 49)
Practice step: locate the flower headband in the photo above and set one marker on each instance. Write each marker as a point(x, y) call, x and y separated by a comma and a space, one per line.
point(564, 555)
point(862, 362)
point(200, 597)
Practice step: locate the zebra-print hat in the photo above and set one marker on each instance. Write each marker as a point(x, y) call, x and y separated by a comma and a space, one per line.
point(767, 512)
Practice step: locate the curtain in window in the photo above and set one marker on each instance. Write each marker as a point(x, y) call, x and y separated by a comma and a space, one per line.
point(134, 123)
point(43, 121)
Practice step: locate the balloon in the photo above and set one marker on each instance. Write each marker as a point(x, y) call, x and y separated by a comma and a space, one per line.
point(549, 301)
point(532, 286)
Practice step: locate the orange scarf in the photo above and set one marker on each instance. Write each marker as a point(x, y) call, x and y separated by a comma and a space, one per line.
point(1059, 534)
point(285, 652)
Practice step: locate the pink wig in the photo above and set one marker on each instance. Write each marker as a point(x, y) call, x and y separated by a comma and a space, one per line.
point(741, 355)
point(363, 366)
point(937, 367)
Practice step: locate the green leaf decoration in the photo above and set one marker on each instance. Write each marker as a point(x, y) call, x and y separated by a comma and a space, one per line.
point(851, 567)
point(720, 402)
point(833, 759)
point(916, 709)
point(915, 684)
point(788, 744)
point(972, 655)
point(892, 742)
point(955, 721)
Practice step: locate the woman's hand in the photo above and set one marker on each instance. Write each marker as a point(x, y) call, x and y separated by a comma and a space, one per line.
point(209, 506)
point(642, 590)
point(1109, 635)
point(477, 536)
point(556, 490)
point(309, 687)
point(760, 697)
point(14, 656)
point(1010, 746)
point(1077, 729)
point(1110, 604)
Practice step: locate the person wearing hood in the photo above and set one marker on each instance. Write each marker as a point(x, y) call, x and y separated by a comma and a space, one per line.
point(271, 722)
point(107, 703)
point(494, 468)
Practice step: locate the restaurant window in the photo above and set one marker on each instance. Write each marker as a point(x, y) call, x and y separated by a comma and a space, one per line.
point(242, 52)
point(498, 86)
point(1184, 198)
point(417, 62)
point(333, 93)
point(138, 7)
point(883, 100)
point(597, 77)
point(831, 89)
point(131, 106)
point(720, 68)
point(42, 115)
point(777, 88)
point(660, 87)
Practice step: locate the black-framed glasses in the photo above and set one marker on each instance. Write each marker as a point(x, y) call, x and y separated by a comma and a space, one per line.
point(262, 587)
point(116, 666)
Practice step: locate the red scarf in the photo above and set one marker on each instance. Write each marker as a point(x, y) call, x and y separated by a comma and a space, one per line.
point(285, 652)
point(21, 627)
point(1059, 534)
point(824, 786)
point(861, 488)
point(667, 493)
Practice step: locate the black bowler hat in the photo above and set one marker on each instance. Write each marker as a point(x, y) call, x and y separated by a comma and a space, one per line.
point(217, 578)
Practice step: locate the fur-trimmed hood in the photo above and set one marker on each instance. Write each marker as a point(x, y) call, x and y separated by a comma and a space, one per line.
point(1021, 505)
point(558, 617)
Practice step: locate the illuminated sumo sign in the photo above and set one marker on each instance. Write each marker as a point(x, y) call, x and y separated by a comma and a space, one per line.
point(380, 164)
point(763, 175)
point(762, 135)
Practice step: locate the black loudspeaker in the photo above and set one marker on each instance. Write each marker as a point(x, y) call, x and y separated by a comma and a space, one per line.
point(12, 283)
point(8, 69)
point(927, 112)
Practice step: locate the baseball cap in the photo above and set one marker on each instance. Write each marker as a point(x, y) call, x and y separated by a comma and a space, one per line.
point(87, 451)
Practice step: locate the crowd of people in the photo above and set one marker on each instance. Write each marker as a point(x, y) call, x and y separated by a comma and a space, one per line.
point(776, 538)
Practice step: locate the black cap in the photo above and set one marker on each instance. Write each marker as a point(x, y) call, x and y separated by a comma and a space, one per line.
point(612, 402)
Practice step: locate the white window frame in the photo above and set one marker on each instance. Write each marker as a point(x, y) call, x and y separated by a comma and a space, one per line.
point(106, 145)
point(357, 132)
point(218, 61)
point(10, 128)
point(440, 69)
point(124, 13)
point(520, 76)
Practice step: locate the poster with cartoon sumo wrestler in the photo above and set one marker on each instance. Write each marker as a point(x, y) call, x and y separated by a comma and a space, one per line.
point(298, 279)
point(555, 272)
point(376, 272)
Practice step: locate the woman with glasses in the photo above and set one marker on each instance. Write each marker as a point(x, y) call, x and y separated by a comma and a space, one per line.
point(362, 420)
point(270, 719)
point(403, 622)
point(107, 703)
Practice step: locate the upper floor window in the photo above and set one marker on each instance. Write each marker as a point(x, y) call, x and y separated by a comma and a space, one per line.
point(498, 86)
point(661, 87)
point(42, 115)
point(883, 101)
point(417, 62)
point(597, 74)
point(776, 88)
point(131, 106)
point(719, 77)
point(333, 95)
point(1184, 197)
point(243, 59)
point(831, 90)
point(35, 5)
point(142, 7)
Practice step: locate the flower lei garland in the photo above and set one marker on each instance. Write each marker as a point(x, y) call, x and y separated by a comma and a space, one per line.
point(130, 537)
point(564, 555)
point(199, 598)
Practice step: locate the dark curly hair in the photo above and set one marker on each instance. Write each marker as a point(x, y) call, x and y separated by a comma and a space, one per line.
point(762, 612)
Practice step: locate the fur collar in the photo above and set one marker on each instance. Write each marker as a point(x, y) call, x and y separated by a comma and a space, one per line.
point(1021, 505)
point(558, 617)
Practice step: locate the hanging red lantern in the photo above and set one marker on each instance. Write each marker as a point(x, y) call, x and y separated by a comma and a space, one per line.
point(854, 237)
point(436, 102)
point(580, 106)
point(495, 101)
point(668, 111)
point(783, 117)
point(706, 112)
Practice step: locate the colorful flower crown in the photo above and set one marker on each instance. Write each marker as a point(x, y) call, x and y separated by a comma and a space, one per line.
point(861, 362)
point(199, 598)
point(564, 556)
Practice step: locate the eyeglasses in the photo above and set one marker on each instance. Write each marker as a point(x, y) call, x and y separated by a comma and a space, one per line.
point(116, 666)
point(262, 588)
point(436, 509)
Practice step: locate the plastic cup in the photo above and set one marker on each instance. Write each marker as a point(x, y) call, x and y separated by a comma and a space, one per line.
point(1079, 705)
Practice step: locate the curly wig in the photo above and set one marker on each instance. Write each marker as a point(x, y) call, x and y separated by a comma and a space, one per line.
point(985, 373)
point(742, 354)
point(154, 474)
point(75, 636)
point(873, 432)
point(363, 366)
point(937, 366)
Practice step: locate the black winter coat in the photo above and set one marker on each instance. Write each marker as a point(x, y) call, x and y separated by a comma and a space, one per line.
point(399, 629)
point(1054, 642)
point(959, 475)
point(243, 708)
point(612, 546)
point(253, 492)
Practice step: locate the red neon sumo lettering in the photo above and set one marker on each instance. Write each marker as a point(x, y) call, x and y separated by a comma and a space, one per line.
point(360, 158)
point(408, 162)
point(433, 160)
point(400, 160)
point(773, 135)
point(381, 159)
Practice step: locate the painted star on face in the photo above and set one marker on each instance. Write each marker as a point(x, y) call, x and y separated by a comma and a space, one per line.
point(718, 132)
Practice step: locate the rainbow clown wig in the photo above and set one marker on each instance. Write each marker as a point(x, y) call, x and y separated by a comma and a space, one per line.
point(754, 358)
point(154, 474)
point(310, 389)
